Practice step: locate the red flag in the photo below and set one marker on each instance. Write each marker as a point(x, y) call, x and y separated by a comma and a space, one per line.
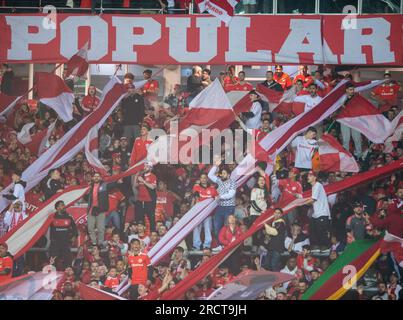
point(333, 157)
point(7, 103)
point(279, 101)
point(52, 91)
point(36, 143)
point(393, 244)
point(222, 9)
point(78, 63)
point(91, 152)
point(361, 115)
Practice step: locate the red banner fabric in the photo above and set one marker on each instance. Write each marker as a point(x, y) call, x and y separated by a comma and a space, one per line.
point(203, 39)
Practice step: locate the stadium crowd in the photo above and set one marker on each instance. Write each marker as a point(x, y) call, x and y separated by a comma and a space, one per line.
point(127, 218)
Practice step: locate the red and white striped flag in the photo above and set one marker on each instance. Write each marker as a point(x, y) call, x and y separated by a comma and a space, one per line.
point(395, 134)
point(222, 9)
point(78, 63)
point(52, 91)
point(393, 244)
point(36, 143)
point(333, 157)
point(73, 141)
point(361, 115)
point(279, 101)
point(7, 103)
point(91, 152)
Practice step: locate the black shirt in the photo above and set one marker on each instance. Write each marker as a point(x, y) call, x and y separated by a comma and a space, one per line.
point(133, 109)
point(194, 85)
point(273, 85)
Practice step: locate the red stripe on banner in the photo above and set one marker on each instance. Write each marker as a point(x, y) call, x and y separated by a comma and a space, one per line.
point(49, 85)
point(92, 119)
point(358, 106)
point(89, 293)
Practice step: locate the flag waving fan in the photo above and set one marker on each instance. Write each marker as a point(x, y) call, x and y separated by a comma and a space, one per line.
point(78, 63)
point(52, 91)
point(222, 9)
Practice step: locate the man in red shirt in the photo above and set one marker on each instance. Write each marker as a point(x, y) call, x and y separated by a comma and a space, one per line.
point(140, 145)
point(138, 263)
point(164, 208)
point(230, 81)
point(6, 263)
point(304, 76)
point(282, 78)
point(90, 101)
point(242, 84)
point(151, 88)
point(386, 93)
point(146, 183)
point(202, 191)
point(290, 189)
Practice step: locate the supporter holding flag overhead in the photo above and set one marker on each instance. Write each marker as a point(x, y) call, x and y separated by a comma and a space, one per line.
point(282, 78)
point(52, 91)
point(386, 94)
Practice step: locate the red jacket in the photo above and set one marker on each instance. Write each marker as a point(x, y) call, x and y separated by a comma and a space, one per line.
point(393, 223)
point(226, 236)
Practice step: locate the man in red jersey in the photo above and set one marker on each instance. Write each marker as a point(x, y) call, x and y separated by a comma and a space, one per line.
point(201, 191)
point(138, 263)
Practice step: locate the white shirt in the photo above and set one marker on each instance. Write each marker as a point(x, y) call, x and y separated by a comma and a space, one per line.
point(297, 247)
point(8, 217)
point(309, 101)
point(19, 193)
point(171, 3)
point(256, 121)
point(305, 150)
point(321, 204)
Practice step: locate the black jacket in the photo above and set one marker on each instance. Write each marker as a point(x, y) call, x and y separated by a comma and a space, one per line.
point(274, 243)
point(62, 228)
point(133, 109)
point(51, 188)
point(274, 85)
point(103, 195)
point(194, 85)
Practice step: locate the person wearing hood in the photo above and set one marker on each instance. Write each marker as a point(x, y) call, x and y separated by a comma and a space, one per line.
point(18, 191)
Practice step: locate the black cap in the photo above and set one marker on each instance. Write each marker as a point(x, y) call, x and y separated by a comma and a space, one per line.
point(357, 204)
